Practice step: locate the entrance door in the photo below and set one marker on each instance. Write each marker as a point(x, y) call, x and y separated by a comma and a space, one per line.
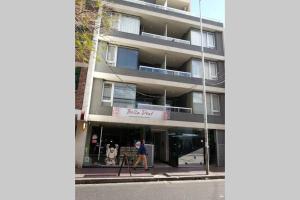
point(173, 151)
point(157, 147)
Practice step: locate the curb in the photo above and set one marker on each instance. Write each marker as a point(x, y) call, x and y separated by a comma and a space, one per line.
point(144, 179)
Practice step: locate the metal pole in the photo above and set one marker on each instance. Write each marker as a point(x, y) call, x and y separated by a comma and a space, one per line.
point(100, 142)
point(204, 96)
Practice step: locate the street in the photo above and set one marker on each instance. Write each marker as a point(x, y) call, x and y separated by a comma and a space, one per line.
point(165, 190)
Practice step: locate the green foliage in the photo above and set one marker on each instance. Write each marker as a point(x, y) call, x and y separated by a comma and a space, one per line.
point(86, 13)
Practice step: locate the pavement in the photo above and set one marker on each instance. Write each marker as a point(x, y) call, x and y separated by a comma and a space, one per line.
point(165, 190)
point(110, 175)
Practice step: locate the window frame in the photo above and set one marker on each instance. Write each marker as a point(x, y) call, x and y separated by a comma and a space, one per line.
point(211, 76)
point(201, 97)
point(212, 105)
point(114, 62)
point(111, 92)
point(214, 40)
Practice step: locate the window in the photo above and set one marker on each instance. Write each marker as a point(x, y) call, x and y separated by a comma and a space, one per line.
point(127, 58)
point(210, 40)
point(197, 103)
point(111, 54)
point(212, 103)
point(115, 20)
point(107, 92)
point(196, 68)
point(195, 37)
point(204, 39)
point(211, 71)
point(118, 94)
point(213, 74)
point(197, 97)
point(215, 104)
point(129, 24)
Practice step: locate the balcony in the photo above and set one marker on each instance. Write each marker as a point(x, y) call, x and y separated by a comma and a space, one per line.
point(166, 38)
point(165, 71)
point(164, 108)
point(161, 7)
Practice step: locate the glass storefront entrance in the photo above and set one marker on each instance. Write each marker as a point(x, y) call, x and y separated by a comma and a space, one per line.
point(107, 144)
point(186, 147)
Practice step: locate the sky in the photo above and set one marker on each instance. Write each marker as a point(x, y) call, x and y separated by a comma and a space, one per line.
point(214, 9)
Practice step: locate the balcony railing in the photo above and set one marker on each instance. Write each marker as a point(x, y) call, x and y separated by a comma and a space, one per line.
point(164, 108)
point(160, 7)
point(166, 38)
point(165, 71)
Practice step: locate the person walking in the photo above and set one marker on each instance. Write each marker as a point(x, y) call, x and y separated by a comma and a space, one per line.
point(142, 156)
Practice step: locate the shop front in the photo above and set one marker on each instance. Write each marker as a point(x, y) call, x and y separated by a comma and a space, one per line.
point(106, 145)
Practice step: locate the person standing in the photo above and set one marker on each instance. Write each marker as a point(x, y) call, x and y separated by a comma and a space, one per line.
point(142, 156)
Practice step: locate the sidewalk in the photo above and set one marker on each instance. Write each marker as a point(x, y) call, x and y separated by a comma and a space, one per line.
point(110, 175)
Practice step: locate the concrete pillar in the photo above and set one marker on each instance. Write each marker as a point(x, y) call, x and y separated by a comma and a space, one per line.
point(80, 140)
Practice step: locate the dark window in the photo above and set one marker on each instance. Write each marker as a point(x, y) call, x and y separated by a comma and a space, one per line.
point(77, 76)
point(127, 58)
point(124, 95)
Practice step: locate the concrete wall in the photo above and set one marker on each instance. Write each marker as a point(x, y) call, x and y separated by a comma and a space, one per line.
point(102, 66)
point(80, 140)
point(218, 51)
point(96, 97)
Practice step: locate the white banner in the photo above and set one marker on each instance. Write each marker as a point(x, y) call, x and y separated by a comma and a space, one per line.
point(139, 113)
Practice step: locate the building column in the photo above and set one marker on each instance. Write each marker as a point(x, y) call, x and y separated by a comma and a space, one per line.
point(80, 140)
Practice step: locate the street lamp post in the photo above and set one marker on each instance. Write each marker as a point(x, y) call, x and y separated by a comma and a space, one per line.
point(204, 98)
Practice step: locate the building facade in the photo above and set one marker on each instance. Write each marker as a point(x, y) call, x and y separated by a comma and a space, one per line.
point(145, 81)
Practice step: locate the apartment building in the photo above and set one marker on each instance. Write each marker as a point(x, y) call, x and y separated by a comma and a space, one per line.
point(145, 81)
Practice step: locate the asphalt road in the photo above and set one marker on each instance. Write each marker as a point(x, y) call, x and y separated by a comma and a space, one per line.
point(172, 190)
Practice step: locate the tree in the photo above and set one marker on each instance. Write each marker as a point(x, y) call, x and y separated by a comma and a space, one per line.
point(86, 13)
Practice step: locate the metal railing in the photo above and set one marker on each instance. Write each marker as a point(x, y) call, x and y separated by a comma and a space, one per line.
point(166, 38)
point(174, 10)
point(165, 71)
point(159, 6)
point(164, 108)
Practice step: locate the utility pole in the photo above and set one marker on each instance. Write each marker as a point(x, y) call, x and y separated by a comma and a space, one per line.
point(204, 97)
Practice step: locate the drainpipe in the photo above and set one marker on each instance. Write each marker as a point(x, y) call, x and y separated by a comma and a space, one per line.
point(204, 95)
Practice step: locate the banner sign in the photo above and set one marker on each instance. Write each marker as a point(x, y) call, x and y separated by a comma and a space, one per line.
point(139, 113)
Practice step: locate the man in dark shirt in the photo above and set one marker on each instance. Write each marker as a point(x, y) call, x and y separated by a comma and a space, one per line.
point(142, 156)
